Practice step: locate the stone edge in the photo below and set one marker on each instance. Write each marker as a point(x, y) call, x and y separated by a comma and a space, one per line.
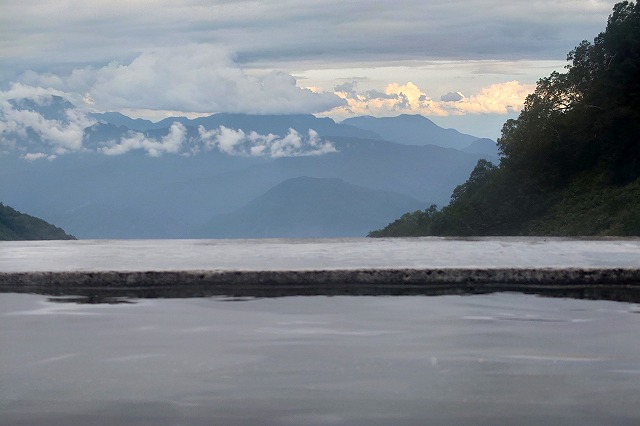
point(10, 281)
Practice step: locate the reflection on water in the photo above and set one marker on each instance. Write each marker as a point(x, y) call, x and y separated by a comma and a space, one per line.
point(407, 360)
point(90, 299)
point(621, 293)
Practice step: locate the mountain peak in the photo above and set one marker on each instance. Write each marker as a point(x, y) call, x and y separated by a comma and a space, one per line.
point(311, 207)
point(412, 129)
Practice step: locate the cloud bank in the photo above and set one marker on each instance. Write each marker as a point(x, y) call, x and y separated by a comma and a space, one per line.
point(289, 30)
point(193, 78)
point(171, 143)
point(228, 141)
point(501, 98)
point(40, 124)
point(59, 136)
point(237, 142)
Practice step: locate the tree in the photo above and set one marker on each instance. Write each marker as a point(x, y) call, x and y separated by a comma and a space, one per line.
point(577, 135)
point(19, 226)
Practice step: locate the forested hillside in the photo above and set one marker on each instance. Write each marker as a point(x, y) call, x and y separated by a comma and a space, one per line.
point(570, 163)
point(19, 226)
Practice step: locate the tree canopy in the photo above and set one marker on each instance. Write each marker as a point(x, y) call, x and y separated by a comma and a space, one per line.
point(19, 226)
point(570, 163)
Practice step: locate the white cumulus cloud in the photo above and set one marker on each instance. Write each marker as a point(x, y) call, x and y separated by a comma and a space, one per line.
point(62, 135)
point(237, 142)
point(396, 99)
point(171, 143)
point(32, 156)
point(37, 124)
point(192, 78)
point(500, 98)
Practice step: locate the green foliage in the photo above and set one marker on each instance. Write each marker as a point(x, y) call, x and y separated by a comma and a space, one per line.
point(589, 207)
point(409, 225)
point(588, 117)
point(571, 161)
point(18, 226)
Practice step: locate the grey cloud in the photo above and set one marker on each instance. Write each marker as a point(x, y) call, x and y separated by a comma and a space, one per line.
point(196, 78)
point(288, 30)
point(348, 87)
point(452, 97)
point(351, 90)
point(403, 102)
point(376, 94)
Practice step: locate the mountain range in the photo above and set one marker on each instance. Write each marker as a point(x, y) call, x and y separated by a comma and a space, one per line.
point(419, 130)
point(226, 175)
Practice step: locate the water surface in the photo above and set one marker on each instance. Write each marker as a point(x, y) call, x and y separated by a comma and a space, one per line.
point(465, 360)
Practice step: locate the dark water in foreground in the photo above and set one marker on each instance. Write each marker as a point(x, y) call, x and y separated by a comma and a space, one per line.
point(448, 360)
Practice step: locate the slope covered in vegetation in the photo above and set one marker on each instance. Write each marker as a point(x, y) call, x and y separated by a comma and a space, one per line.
point(570, 163)
point(19, 226)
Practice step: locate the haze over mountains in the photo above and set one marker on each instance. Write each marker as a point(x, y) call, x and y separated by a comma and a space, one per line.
point(419, 130)
point(225, 175)
point(310, 207)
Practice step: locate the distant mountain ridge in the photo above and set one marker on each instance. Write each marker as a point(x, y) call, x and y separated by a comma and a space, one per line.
point(262, 124)
point(188, 180)
point(403, 129)
point(419, 130)
point(306, 207)
point(121, 120)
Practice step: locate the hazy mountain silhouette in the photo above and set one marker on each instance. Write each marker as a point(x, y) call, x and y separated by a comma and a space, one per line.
point(310, 207)
point(134, 195)
point(121, 120)
point(262, 124)
point(483, 146)
point(419, 130)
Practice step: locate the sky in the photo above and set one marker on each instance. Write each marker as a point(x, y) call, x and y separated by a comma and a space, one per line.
point(464, 64)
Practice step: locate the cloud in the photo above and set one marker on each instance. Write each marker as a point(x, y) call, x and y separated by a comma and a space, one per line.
point(38, 156)
point(500, 98)
point(289, 30)
point(171, 143)
point(237, 142)
point(61, 135)
point(26, 126)
point(193, 78)
point(40, 95)
point(396, 99)
point(348, 88)
point(452, 97)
